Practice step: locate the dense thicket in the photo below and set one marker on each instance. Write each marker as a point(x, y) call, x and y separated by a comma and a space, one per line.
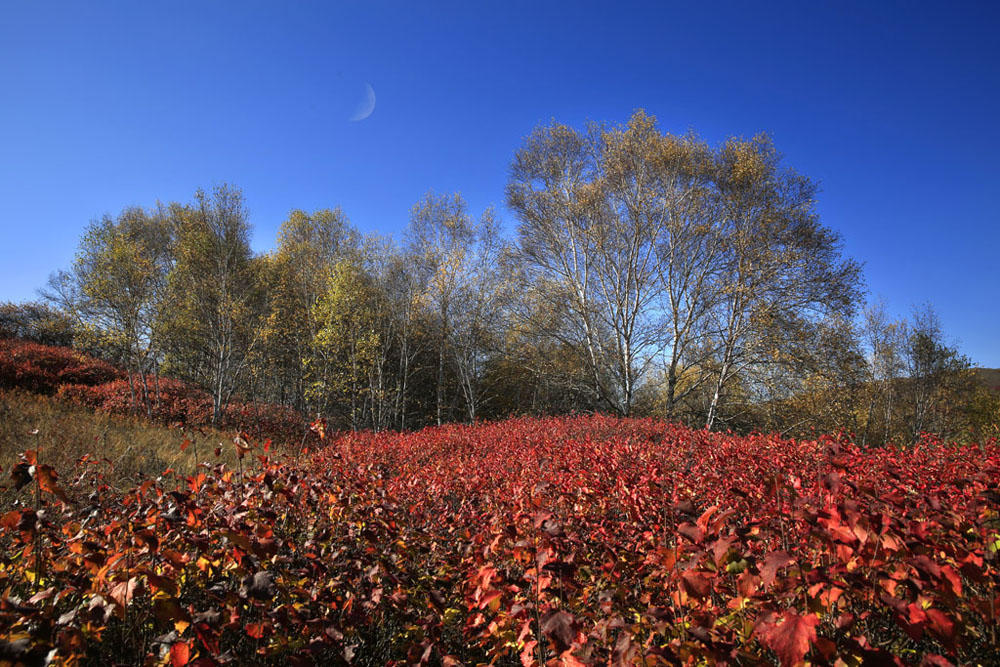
point(649, 274)
point(559, 541)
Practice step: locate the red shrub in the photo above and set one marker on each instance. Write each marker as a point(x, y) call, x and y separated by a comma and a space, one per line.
point(82, 380)
point(265, 420)
point(174, 401)
point(43, 369)
point(583, 541)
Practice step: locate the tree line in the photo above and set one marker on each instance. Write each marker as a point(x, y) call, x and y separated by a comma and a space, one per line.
point(649, 274)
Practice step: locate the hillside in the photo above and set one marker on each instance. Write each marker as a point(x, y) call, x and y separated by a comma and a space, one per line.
point(80, 380)
point(132, 448)
point(988, 377)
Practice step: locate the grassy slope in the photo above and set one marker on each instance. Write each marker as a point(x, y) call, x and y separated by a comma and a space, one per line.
point(136, 448)
point(989, 377)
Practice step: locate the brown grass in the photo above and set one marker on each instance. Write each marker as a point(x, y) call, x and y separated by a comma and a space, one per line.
point(988, 377)
point(133, 449)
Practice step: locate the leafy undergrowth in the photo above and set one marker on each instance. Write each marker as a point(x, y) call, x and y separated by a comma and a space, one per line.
point(558, 541)
point(42, 369)
point(77, 379)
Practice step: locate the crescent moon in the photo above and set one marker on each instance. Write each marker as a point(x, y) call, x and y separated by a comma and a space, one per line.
point(366, 106)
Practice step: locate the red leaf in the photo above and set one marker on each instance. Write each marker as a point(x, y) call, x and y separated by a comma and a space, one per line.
point(721, 548)
point(185, 444)
point(955, 582)
point(169, 610)
point(913, 621)
point(940, 624)
point(148, 538)
point(208, 637)
point(625, 650)
point(692, 532)
point(845, 621)
point(927, 565)
point(180, 654)
point(706, 517)
point(489, 597)
point(790, 638)
point(124, 591)
point(255, 630)
point(772, 563)
point(319, 428)
point(567, 659)
point(242, 445)
point(262, 586)
point(560, 627)
point(696, 584)
point(528, 653)
point(21, 474)
point(47, 480)
point(162, 583)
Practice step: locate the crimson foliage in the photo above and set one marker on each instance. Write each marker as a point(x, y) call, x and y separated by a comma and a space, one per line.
point(43, 369)
point(173, 401)
point(82, 380)
point(559, 541)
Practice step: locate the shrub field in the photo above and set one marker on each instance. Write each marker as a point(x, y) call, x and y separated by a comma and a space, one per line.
point(80, 380)
point(42, 369)
point(586, 540)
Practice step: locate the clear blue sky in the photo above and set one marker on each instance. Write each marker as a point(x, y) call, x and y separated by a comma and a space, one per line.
point(892, 106)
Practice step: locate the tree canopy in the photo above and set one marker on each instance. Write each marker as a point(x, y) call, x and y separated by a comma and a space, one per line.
point(648, 273)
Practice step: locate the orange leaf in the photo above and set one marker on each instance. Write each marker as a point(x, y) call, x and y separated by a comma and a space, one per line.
point(10, 520)
point(180, 654)
point(47, 480)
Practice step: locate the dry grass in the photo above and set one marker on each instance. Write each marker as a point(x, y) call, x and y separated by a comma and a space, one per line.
point(988, 377)
point(135, 448)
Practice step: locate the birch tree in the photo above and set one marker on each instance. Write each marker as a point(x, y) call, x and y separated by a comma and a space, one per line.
point(781, 267)
point(115, 290)
point(346, 344)
point(614, 231)
point(215, 309)
point(551, 192)
point(440, 235)
point(478, 325)
point(298, 273)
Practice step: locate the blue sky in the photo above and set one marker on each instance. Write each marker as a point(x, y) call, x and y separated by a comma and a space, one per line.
point(891, 106)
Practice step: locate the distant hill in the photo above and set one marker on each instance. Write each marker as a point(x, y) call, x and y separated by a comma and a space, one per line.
point(989, 377)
